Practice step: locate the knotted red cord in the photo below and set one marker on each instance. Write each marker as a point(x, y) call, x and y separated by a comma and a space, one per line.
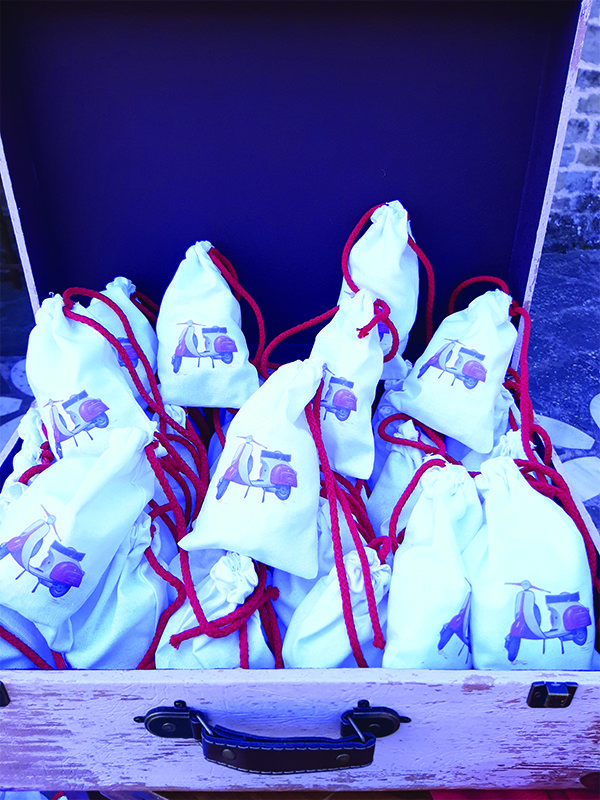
point(244, 651)
point(478, 279)
point(382, 314)
point(223, 626)
point(23, 648)
point(46, 456)
point(263, 366)
point(217, 426)
point(396, 540)
point(229, 273)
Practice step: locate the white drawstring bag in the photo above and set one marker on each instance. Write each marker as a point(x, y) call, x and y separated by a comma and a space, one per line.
point(398, 470)
point(120, 291)
point(78, 385)
point(292, 589)
point(317, 635)
point(383, 262)
point(454, 385)
point(470, 458)
point(58, 539)
point(351, 371)
point(115, 626)
point(383, 410)
point(532, 592)
point(430, 596)
point(29, 455)
point(23, 629)
point(202, 352)
point(263, 498)
point(231, 580)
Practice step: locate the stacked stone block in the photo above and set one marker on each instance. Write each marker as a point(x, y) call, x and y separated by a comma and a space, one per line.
point(575, 214)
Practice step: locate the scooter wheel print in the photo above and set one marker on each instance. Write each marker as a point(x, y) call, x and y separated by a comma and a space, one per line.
point(470, 382)
point(512, 644)
point(58, 589)
point(227, 358)
point(580, 636)
point(283, 492)
point(176, 362)
point(342, 414)
point(101, 421)
point(221, 487)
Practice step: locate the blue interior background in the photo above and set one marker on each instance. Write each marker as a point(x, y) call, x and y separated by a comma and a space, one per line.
point(133, 129)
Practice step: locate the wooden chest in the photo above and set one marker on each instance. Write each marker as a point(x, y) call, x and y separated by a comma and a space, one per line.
point(132, 128)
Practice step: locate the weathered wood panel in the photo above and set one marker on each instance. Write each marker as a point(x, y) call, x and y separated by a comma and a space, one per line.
point(75, 730)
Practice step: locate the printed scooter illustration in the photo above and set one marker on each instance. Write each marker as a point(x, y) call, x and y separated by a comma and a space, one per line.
point(217, 346)
point(338, 396)
point(85, 413)
point(569, 619)
point(467, 367)
point(276, 475)
point(458, 625)
point(59, 571)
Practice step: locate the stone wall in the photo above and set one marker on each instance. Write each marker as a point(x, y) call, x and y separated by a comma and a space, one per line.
point(575, 215)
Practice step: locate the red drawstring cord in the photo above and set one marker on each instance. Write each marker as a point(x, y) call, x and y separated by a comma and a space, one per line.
point(263, 366)
point(478, 279)
point(23, 648)
point(219, 628)
point(199, 420)
point(47, 457)
point(397, 540)
point(350, 242)
point(229, 273)
point(217, 426)
point(430, 288)
point(381, 312)
point(312, 412)
point(439, 447)
point(148, 307)
point(272, 632)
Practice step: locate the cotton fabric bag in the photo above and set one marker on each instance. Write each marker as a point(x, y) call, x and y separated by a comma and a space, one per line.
point(79, 388)
point(17, 625)
point(120, 291)
point(263, 498)
point(430, 595)
point(231, 580)
point(60, 536)
point(470, 458)
point(398, 470)
point(352, 365)
point(383, 262)
point(114, 628)
point(202, 352)
point(453, 387)
point(532, 592)
point(292, 589)
point(317, 634)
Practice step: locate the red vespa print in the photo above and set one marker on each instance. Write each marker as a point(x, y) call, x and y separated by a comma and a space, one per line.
point(337, 397)
point(217, 346)
point(275, 475)
point(85, 413)
point(569, 619)
point(457, 626)
point(466, 368)
point(59, 571)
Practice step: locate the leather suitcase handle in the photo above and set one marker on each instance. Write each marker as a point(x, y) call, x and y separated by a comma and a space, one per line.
point(276, 756)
